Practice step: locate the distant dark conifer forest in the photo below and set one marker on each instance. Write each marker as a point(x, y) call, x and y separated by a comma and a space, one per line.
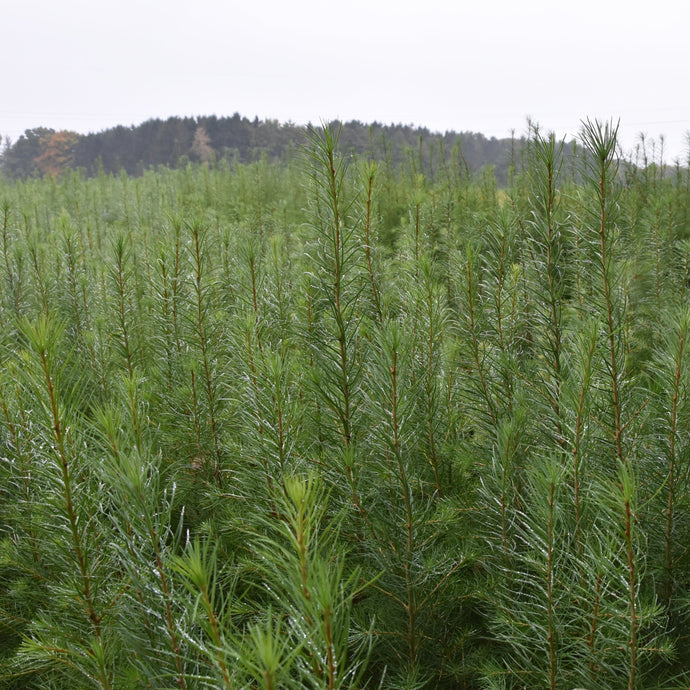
point(178, 140)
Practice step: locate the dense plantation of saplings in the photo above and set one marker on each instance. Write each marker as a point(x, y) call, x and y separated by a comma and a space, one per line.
point(328, 424)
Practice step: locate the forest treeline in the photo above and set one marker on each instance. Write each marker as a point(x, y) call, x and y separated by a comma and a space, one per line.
point(178, 140)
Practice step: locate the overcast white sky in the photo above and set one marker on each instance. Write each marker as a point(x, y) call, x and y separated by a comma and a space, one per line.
point(482, 66)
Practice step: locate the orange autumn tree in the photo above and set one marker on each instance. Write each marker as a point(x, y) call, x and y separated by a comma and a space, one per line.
point(57, 152)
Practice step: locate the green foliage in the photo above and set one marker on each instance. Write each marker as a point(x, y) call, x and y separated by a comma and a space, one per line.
point(346, 423)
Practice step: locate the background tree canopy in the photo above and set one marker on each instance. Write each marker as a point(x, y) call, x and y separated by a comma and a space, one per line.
point(178, 140)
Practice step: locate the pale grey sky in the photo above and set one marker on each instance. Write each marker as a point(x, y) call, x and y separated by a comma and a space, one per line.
point(484, 66)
